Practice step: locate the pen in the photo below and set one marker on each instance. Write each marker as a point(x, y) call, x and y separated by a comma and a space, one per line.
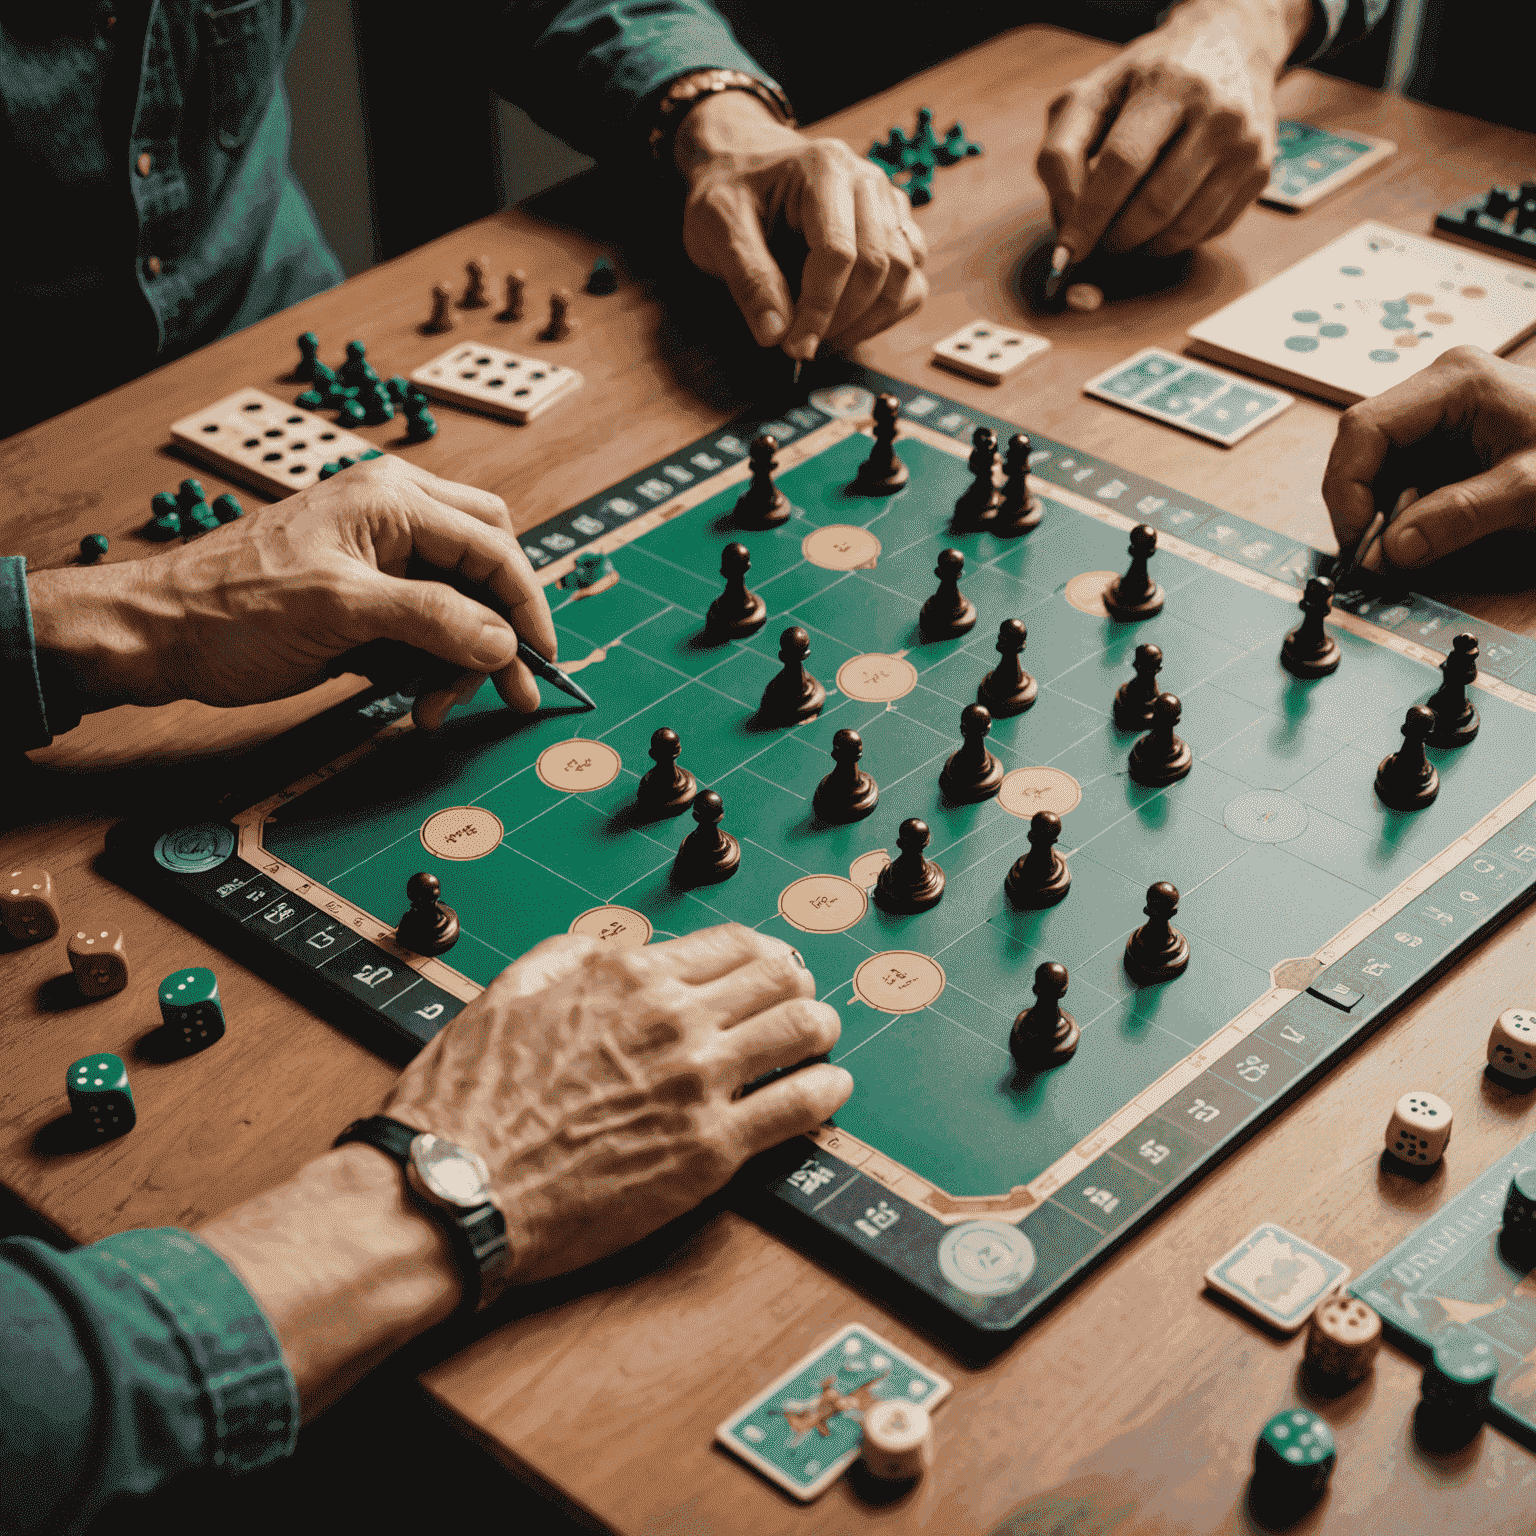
point(1372, 536)
point(552, 674)
point(1061, 259)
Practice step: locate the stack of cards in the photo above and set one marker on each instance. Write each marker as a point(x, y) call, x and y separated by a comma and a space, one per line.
point(1200, 399)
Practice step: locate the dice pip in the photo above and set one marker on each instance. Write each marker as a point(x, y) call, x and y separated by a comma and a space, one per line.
point(100, 1098)
point(1419, 1129)
point(190, 1006)
point(1512, 1046)
point(26, 905)
point(99, 961)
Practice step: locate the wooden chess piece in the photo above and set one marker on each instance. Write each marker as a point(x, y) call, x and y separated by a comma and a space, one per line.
point(948, 613)
point(882, 473)
point(910, 882)
point(517, 283)
point(309, 352)
point(477, 271)
point(793, 696)
point(763, 504)
point(668, 788)
point(1157, 951)
point(1039, 878)
point(1309, 650)
point(736, 613)
point(430, 926)
point(1046, 1034)
point(1406, 780)
point(1133, 701)
point(441, 318)
point(979, 501)
point(560, 326)
point(1008, 689)
point(1161, 757)
point(1019, 511)
point(848, 793)
point(709, 854)
point(1456, 717)
point(972, 773)
point(1135, 595)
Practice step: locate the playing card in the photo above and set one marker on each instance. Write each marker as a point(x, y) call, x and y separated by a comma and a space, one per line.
point(1276, 1276)
point(1311, 162)
point(495, 380)
point(986, 351)
point(1200, 399)
point(806, 1428)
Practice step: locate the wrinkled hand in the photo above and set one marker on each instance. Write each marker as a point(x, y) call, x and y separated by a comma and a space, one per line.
point(261, 608)
point(746, 174)
point(1166, 144)
point(1463, 433)
point(601, 1086)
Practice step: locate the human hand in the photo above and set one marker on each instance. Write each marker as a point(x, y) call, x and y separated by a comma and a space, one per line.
point(260, 608)
point(1166, 144)
point(602, 1086)
point(1462, 432)
point(746, 173)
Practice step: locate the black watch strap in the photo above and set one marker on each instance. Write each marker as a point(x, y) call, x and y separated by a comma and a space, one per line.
point(478, 1235)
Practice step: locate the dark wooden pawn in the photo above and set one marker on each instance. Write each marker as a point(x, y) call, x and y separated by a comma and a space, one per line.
point(1135, 595)
point(517, 282)
point(972, 773)
point(709, 854)
point(1456, 717)
point(1309, 650)
point(949, 612)
point(979, 501)
point(1019, 511)
point(910, 882)
point(476, 273)
point(441, 318)
point(1133, 701)
point(430, 926)
point(560, 326)
point(848, 793)
point(794, 696)
point(736, 613)
point(763, 504)
point(1008, 689)
point(1406, 780)
point(1046, 1034)
point(1157, 951)
point(1162, 756)
point(1040, 878)
point(668, 788)
point(882, 473)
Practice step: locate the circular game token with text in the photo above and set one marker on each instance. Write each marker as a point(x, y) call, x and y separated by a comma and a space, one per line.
point(461, 832)
point(1027, 790)
point(822, 903)
point(618, 927)
point(578, 766)
point(986, 1258)
point(841, 547)
point(899, 981)
point(876, 679)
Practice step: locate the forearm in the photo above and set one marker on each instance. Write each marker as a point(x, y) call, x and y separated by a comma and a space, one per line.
point(725, 124)
point(345, 1267)
point(1272, 29)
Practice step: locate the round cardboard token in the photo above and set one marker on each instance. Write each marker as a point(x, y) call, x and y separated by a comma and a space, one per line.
point(1027, 790)
point(899, 981)
point(1086, 592)
point(619, 927)
point(865, 869)
point(195, 850)
point(986, 1258)
point(578, 766)
point(876, 679)
point(841, 547)
point(461, 832)
point(822, 903)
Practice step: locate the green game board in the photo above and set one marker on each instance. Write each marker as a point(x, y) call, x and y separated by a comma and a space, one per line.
point(987, 1192)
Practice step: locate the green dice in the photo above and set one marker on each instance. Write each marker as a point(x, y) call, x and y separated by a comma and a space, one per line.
point(190, 1006)
point(99, 1096)
point(1293, 1460)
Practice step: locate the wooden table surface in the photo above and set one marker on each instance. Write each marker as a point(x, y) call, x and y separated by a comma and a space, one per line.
point(1134, 1405)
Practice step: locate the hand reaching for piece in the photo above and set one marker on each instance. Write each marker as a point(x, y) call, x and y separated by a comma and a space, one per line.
point(1463, 433)
point(602, 1086)
point(747, 173)
point(261, 608)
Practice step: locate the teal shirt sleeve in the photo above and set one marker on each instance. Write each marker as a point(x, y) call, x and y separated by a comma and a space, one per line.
point(585, 68)
point(123, 1364)
point(38, 701)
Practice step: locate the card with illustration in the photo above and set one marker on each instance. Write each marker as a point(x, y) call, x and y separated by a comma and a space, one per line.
point(1200, 399)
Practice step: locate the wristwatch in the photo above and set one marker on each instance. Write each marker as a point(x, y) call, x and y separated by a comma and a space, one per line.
point(453, 1184)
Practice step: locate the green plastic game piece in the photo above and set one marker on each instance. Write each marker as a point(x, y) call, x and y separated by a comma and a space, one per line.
point(925, 141)
point(587, 570)
point(226, 508)
point(399, 389)
point(100, 1097)
point(189, 1004)
point(420, 423)
point(1460, 1375)
point(602, 279)
point(347, 460)
point(309, 347)
point(374, 400)
point(190, 491)
point(310, 400)
point(199, 516)
point(329, 468)
point(92, 547)
point(163, 529)
point(350, 414)
point(322, 376)
point(372, 453)
point(357, 367)
point(919, 187)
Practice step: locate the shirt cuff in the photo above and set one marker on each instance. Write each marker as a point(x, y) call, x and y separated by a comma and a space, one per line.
point(21, 688)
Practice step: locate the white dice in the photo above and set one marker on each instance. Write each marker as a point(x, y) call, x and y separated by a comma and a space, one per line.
point(1419, 1129)
point(1512, 1044)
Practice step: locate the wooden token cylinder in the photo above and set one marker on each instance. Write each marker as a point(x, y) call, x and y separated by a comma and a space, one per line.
point(1342, 1339)
point(898, 1440)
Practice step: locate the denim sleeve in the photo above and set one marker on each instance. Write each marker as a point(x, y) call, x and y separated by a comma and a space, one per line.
point(123, 1364)
point(583, 68)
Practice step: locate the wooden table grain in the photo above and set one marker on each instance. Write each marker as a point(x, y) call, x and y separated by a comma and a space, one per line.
point(1132, 1406)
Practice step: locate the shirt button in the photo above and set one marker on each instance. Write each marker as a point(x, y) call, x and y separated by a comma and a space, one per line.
point(144, 163)
point(152, 266)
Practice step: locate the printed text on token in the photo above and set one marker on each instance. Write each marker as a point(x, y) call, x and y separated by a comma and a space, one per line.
point(578, 766)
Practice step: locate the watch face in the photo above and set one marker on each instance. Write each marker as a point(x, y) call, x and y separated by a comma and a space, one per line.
point(453, 1173)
